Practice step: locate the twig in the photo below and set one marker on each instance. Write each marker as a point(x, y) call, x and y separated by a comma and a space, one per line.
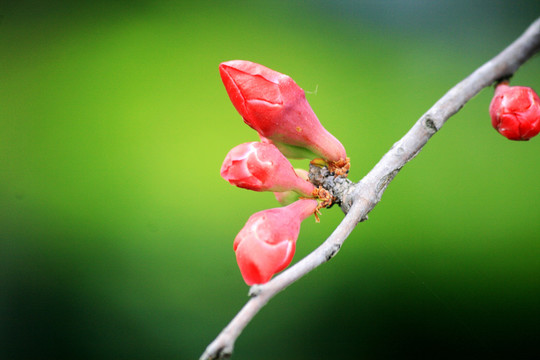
point(359, 199)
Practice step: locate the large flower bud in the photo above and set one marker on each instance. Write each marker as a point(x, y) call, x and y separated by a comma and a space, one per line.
point(267, 242)
point(261, 167)
point(276, 107)
point(515, 112)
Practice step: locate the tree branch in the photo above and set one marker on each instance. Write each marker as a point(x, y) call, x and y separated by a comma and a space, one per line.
point(357, 200)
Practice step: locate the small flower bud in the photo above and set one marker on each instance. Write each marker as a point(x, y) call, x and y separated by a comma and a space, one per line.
point(261, 167)
point(267, 242)
point(515, 112)
point(276, 107)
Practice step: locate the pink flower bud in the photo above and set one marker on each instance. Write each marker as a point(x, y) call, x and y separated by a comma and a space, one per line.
point(261, 167)
point(267, 242)
point(276, 107)
point(515, 112)
point(288, 197)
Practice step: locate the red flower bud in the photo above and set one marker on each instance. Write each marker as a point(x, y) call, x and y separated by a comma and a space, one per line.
point(515, 112)
point(261, 167)
point(267, 242)
point(276, 107)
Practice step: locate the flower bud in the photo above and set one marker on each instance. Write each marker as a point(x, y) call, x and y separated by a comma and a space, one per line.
point(288, 197)
point(267, 242)
point(261, 167)
point(276, 107)
point(515, 112)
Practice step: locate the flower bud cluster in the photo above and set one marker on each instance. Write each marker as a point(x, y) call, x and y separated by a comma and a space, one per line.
point(276, 107)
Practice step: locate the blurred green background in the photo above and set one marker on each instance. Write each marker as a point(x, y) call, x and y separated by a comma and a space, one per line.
point(116, 229)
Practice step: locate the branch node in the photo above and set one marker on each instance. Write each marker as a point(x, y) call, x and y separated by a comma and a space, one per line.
point(429, 124)
point(339, 187)
point(333, 251)
point(502, 79)
point(255, 291)
point(223, 353)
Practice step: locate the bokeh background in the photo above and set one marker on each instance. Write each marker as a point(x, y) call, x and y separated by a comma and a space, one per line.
point(116, 229)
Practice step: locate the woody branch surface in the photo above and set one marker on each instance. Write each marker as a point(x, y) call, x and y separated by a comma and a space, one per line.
point(357, 200)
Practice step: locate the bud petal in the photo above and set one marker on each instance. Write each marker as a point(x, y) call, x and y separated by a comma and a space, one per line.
point(261, 167)
point(515, 112)
point(267, 242)
point(276, 107)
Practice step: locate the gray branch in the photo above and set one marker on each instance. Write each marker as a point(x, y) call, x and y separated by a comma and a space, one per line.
point(357, 200)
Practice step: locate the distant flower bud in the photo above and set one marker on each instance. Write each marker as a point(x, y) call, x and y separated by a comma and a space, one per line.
point(515, 112)
point(267, 242)
point(276, 107)
point(261, 167)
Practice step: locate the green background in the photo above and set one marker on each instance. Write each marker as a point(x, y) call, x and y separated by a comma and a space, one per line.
point(116, 229)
